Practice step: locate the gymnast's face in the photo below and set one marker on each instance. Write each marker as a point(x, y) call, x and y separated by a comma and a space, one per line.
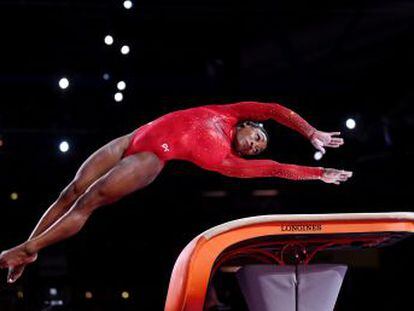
point(250, 140)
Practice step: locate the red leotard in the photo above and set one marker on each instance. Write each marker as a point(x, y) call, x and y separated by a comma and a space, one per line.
point(204, 136)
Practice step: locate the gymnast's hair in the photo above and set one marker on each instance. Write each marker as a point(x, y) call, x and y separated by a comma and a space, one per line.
point(255, 125)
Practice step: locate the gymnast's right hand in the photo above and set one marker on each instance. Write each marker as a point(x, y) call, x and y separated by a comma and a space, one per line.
point(334, 176)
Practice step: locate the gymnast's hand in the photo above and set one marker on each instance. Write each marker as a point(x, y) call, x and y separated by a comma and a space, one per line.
point(334, 176)
point(14, 258)
point(321, 139)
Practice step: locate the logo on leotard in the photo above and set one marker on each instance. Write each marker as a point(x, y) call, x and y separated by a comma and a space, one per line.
point(302, 227)
point(165, 147)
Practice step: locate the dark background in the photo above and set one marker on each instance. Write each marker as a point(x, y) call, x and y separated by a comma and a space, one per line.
point(328, 60)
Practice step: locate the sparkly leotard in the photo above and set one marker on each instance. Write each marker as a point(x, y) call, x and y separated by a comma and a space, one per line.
point(204, 136)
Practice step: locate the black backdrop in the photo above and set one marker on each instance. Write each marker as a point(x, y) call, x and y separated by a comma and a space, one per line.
point(327, 60)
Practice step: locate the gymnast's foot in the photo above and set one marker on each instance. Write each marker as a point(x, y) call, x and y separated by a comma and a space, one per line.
point(15, 257)
point(15, 273)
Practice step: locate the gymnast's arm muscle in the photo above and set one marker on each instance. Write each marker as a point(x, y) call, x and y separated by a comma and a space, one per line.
point(234, 166)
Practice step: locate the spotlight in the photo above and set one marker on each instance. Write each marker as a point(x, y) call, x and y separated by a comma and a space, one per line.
point(1, 142)
point(109, 40)
point(118, 97)
point(121, 85)
point(14, 196)
point(350, 123)
point(88, 295)
point(125, 295)
point(64, 146)
point(128, 4)
point(125, 49)
point(20, 294)
point(53, 291)
point(53, 303)
point(318, 155)
point(265, 193)
point(106, 76)
point(63, 83)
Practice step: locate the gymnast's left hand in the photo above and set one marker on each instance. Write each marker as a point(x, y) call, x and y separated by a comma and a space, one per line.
point(16, 256)
point(321, 139)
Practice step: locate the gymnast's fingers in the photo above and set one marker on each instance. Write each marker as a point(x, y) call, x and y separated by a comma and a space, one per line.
point(347, 173)
point(333, 145)
point(319, 147)
point(337, 140)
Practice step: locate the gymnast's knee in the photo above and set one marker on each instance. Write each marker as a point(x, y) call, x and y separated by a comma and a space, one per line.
point(96, 196)
point(72, 191)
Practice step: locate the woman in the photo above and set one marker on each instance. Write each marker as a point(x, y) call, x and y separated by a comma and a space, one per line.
point(214, 137)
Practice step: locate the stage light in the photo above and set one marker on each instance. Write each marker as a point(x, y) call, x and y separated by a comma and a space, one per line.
point(350, 123)
point(128, 4)
point(265, 193)
point(14, 196)
point(1, 142)
point(106, 76)
point(318, 155)
point(63, 83)
point(53, 291)
point(125, 49)
point(125, 295)
point(109, 40)
point(121, 85)
point(118, 97)
point(88, 295)
point(64, 146)
point(56, 303)
point(20, 294)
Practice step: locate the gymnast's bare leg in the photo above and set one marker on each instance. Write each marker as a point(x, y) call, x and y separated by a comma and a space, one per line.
point(99, 163)
point(129, 174)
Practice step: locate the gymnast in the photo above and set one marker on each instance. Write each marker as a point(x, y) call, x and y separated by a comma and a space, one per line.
point(214, 137)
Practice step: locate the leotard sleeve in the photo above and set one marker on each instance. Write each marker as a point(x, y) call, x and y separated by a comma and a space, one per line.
point(235, 166)
point(257, 111)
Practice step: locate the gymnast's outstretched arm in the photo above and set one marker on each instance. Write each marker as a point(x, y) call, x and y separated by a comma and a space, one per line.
point(257, 111)
point(234, 166)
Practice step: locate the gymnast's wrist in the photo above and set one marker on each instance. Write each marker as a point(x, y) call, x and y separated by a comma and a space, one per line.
point(321, 173)
point(311, 132)
point(31, 247)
